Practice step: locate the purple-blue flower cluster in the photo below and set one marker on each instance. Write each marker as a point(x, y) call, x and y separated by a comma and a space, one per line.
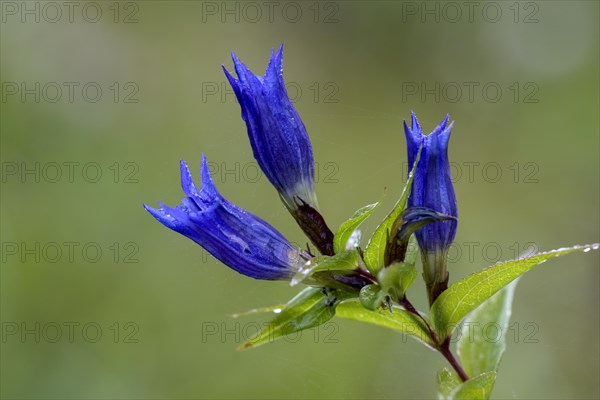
point(283, 151)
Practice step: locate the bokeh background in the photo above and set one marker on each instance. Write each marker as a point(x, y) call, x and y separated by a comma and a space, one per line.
point(100, 301)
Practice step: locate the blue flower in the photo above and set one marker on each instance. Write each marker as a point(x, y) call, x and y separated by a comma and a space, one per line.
point(231, 234)
point(281, 145)
point(432, 188)
point(277, 135)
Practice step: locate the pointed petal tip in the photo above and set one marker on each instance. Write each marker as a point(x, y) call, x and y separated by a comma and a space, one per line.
point(187, 180)
point(415, 122)
point(413, 132)
point(275, 62)
point(155, 212)
point(236, 62)
point(207, 182)
point(445, 134)
point(239, 67)
point(233, 81)
point(279, 54)
point(183, 167)
point(224, 68)
point(440, 128)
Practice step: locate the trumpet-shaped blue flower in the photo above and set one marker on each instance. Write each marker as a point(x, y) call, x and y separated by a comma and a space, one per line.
point(277, 135)
point(231, 234)
point(281, 145)
point(432, 188)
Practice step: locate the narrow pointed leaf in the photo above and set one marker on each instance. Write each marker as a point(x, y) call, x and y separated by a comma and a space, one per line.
point(344, 261)
point(274, 309)
point(479, 349)
point(375, 251)
point(464, 296)
point(477, 388)
point(399, 319)
point(311, 307)
point(447, 381)
point(346, 230)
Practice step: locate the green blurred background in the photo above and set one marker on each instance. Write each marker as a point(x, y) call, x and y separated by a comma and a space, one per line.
point(525, 161)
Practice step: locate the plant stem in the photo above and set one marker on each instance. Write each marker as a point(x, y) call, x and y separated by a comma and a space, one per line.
point(445, 350)
point(411, 309)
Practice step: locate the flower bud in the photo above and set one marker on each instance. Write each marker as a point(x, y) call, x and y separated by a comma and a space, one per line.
point(432, 188)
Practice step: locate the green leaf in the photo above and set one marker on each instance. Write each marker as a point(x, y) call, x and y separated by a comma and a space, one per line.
point(275, 309)
point(477, 388)
point(311, 307)
point(346, 230)
point(447, 381)
point(398, 320)
point(479, 347)
point(412, 251)
point(375, 251)
point(464, 296)
point(372, 296)
point(344, 261)
point(395, 279)
point(408, 222)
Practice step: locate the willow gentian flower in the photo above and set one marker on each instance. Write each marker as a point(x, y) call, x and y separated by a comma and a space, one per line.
point(280, 144)
point(432, 188)
point(234, 236)
point(277, 135)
